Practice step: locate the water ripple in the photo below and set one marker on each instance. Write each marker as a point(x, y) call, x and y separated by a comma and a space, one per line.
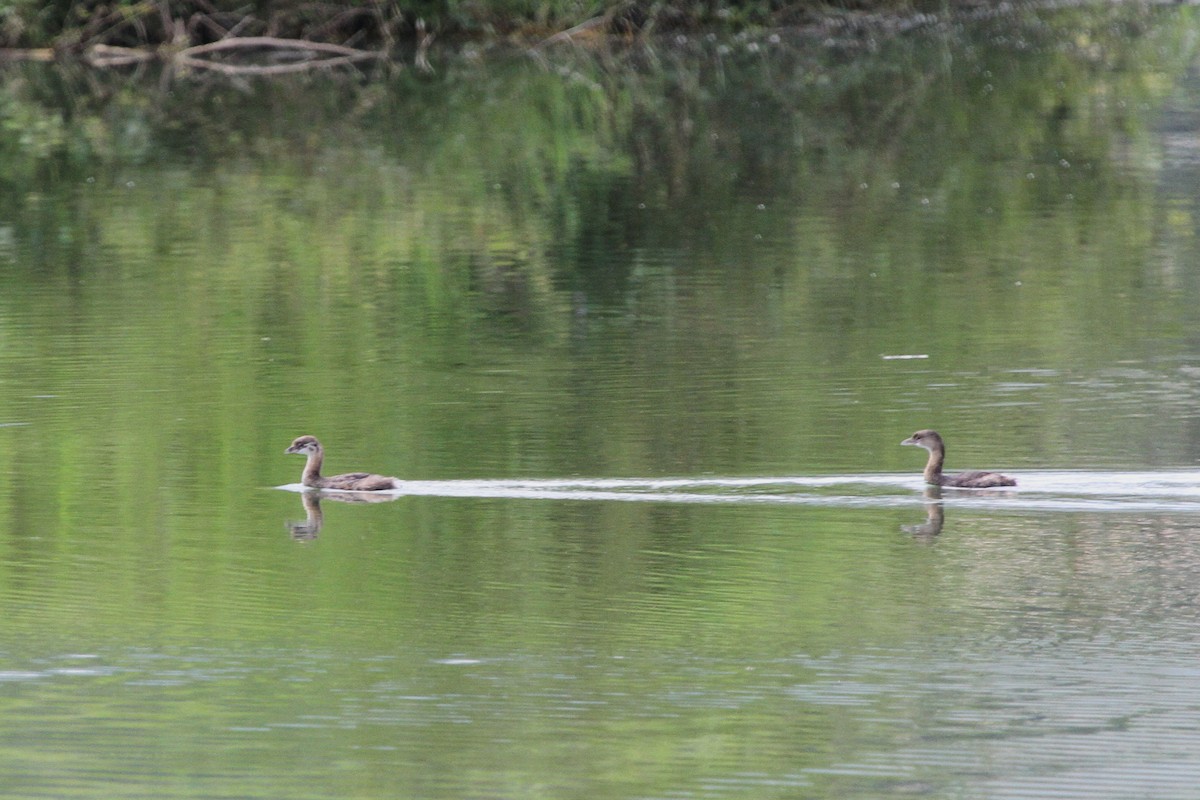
point(1058, 490)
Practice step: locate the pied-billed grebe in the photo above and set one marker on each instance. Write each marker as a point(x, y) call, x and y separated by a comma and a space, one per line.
point(349, 482)
point(937, 456)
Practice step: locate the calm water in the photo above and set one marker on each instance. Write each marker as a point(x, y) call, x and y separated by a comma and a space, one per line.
point(641, 332)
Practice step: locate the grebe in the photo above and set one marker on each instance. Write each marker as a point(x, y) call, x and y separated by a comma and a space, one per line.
point(349, 482)
point(964, 480)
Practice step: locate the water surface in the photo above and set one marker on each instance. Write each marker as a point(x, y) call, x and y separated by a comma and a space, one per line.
point(641, 332)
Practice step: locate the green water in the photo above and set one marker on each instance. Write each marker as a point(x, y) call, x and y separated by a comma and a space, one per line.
point(710, 259)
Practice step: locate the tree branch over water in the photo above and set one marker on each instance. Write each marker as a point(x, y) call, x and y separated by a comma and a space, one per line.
point(198, 34)
point(235, 37)
point(73, 27)
point(305, 55)
point(302, 55)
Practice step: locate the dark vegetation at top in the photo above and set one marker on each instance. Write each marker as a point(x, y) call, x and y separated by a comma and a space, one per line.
point(66, 26)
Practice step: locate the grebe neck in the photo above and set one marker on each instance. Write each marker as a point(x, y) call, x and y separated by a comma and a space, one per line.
point(933, 467)
point(312, 469)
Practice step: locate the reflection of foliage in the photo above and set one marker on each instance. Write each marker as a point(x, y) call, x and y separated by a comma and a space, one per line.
point(29, 135)
point(545, 204)
point(673, 125)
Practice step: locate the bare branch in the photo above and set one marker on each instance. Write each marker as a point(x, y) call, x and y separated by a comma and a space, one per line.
point(260, 69)
point(104, 55)
point(272, 42)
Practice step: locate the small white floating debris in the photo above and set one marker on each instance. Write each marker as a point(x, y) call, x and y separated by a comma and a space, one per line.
point(904, 356)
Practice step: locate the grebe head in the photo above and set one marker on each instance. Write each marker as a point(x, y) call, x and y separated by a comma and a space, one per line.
point(304, 445)
point(926, 438)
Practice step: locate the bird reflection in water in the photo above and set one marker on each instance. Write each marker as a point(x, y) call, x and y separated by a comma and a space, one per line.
point(931, 528)
point(935, 516)
point(309, 528)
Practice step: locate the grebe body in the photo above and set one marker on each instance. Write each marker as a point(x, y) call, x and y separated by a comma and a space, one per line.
point(932, 442)
point(349, 482)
